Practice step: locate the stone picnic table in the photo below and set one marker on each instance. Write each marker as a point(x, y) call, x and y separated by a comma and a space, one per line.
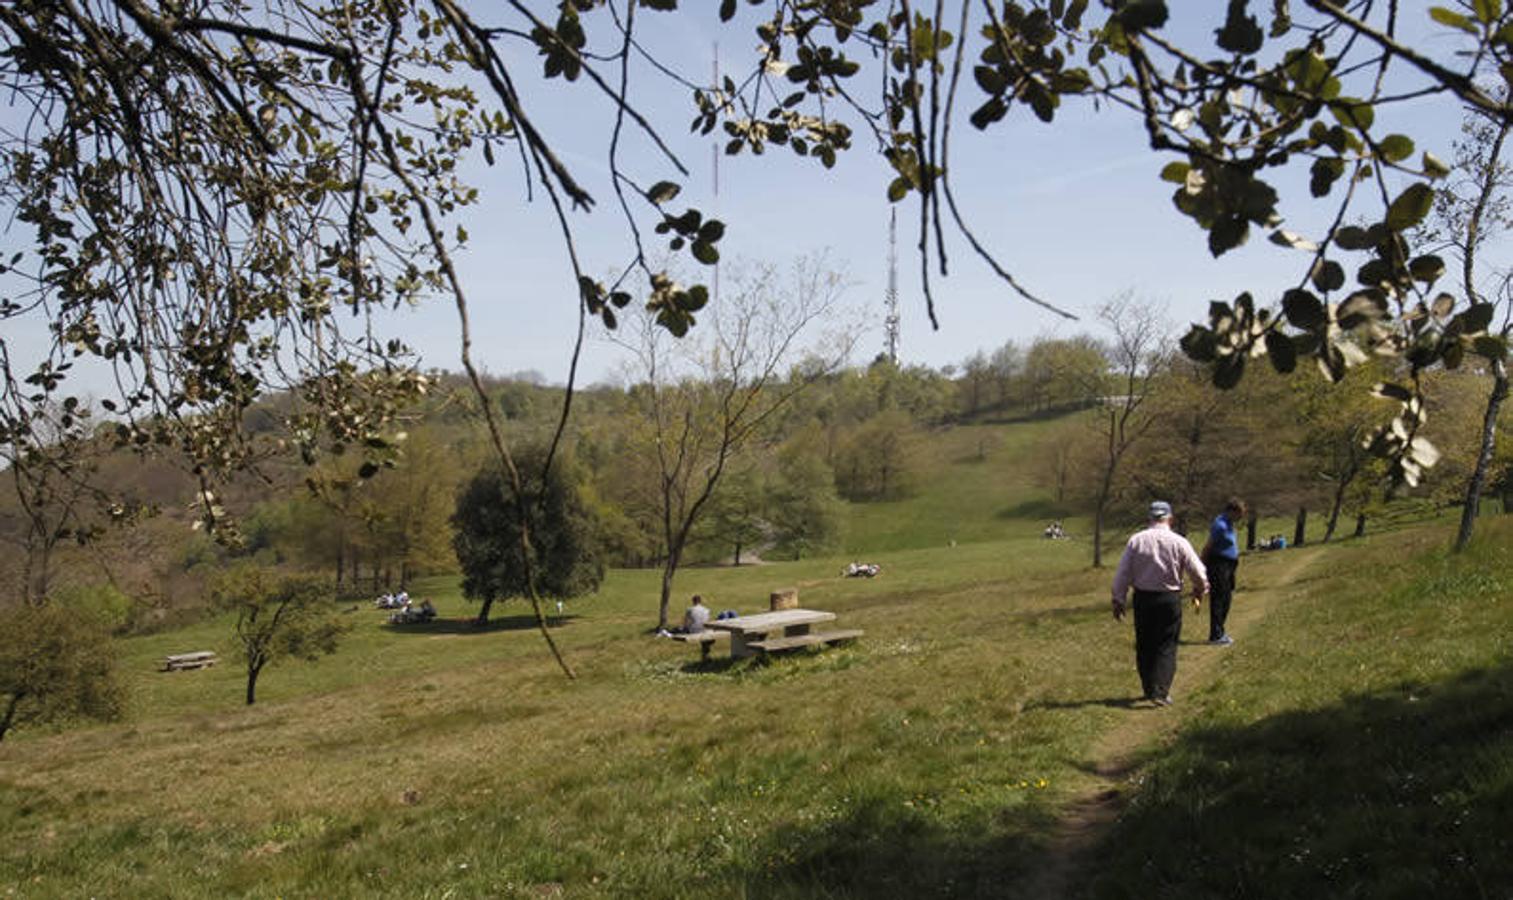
point(784, 629)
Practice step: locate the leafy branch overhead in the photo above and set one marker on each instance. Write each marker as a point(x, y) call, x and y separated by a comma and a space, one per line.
point(219, 198)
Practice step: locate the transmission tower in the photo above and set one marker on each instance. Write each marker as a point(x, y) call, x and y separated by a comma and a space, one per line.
point(890, 300)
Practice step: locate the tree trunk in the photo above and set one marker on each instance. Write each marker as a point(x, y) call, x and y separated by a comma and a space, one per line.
point(1338, 502)
point(1098, 536)
point(10, 713)
point(1250, 530)
point(1360, 524)
point(341, 564)
point(738, 553)
point(252, 672)
point(668, 569)
point(1478, 478)
point(1301, 528)
point(483, 611)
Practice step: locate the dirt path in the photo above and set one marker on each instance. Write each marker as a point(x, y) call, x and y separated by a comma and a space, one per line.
point(1112, 758)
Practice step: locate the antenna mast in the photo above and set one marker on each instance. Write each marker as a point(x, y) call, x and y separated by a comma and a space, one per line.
point(890, 300)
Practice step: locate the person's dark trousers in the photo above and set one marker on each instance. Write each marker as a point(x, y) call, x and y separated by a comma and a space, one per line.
point(1158, 625)
point(1221, 590)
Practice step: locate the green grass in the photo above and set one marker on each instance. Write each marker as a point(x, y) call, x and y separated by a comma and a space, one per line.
point(918, 758)
point(931, 758)
point(1358, 745)
point(977, 483)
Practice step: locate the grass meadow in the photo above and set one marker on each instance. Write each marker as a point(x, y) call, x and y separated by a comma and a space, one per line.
point(1356, 742)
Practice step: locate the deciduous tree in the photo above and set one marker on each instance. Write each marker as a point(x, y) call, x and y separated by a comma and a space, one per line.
point(55, 663)
point(277, 617)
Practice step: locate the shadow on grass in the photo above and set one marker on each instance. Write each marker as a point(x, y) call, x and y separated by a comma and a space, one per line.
point(471, 626)
point(1036, 509)
point(1111, 702)
point(1400, 793)
point(881, 848)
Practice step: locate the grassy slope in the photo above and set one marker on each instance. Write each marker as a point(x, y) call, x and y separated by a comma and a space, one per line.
point(1358, 746)
point(927, 759)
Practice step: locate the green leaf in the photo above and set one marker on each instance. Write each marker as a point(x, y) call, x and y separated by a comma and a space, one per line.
point(1453, 19)
point(1175, 172)
point(1227, 234)
point(1351, 237)
point(368, 470)
point(1487, 11)
point(727, 10)
point(1476, 319)
point(988, 113)
point(705, 253)
point(1410, 207)
point(1353, 112)
point(1325, 172)
point(711, 231)
point(1493, 348)
point(1279, 348)
point(1396, 147)
point(1427, 268)
point(1200, 344)
point(1241, 33)
point(1433, 167)
point(1303, 309)
point(1328, 276)
point(1142, 15)
point(696, 298)
point(898, 189)
point(1229, 371)
point(663, 191)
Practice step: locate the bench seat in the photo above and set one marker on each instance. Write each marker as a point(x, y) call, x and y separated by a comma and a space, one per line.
point(773, 645)
point(181, 661)
point(704, 639)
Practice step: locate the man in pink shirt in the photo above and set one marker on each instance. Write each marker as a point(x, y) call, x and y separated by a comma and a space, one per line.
point(1153, 563)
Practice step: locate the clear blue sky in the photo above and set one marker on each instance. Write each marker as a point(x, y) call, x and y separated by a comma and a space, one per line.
point(1075, 210)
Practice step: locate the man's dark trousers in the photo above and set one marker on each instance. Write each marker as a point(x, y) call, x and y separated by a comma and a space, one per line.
point(1221, 590)
point(1158, 625)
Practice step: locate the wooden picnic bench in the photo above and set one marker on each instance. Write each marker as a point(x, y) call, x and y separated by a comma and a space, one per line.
point(704, 639)
point(197, 660)
point(786, 629)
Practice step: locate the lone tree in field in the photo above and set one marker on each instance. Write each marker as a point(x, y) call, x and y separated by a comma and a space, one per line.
point(277, 617)
point(568, 557)
point(707, 405)
point(55, 663)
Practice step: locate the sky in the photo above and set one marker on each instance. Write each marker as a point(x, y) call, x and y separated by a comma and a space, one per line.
point(1075, 210)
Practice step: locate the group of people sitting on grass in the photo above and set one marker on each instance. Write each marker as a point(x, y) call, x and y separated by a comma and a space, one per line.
point(398, 600)
point(861, 570)
point(406, 612)
point(1054, 531)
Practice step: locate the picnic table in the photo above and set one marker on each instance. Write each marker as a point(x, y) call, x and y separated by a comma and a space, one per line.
point(784, 629)
point(179, 661)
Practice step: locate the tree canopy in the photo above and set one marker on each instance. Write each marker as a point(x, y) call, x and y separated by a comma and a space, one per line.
point(567, 557)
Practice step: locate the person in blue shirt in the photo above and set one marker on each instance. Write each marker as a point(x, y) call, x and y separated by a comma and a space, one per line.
point(1221, 556)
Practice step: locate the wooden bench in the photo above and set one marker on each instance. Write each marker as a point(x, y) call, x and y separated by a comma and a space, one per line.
point(704, 639)
point(197, 660)
point(792, 642)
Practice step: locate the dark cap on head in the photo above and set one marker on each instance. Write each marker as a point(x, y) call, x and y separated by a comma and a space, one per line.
point(1160, 509)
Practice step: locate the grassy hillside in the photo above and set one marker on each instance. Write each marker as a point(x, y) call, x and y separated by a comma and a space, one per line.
point(935, 757)
point(977, 483)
